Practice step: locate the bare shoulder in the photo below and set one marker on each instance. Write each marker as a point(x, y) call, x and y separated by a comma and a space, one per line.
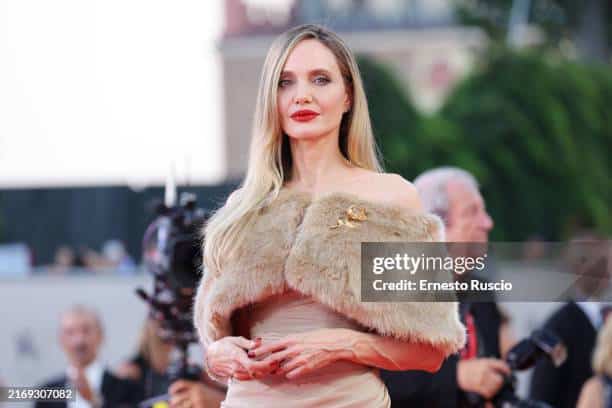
point(402, 192)
point(395, 190)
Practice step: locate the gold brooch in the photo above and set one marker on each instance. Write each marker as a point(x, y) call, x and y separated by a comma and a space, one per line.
point(353, 214)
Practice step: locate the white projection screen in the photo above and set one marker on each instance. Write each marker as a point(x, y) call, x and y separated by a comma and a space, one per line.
point(109, 92)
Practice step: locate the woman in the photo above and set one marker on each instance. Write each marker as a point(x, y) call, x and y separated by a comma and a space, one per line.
point(149, 370)
point(148, 367)
point(597, 392)
point(278, 308)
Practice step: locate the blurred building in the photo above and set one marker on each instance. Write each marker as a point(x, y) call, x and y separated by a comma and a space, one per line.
point(418, 39)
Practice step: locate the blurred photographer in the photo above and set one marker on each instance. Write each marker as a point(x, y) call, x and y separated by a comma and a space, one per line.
point(149, 369)
point(162, 365)
point(453, 194)
point(149, 366)
point(576, 322)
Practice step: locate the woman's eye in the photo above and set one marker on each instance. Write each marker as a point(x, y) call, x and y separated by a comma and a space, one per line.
point(283, 83)
point(321, 80)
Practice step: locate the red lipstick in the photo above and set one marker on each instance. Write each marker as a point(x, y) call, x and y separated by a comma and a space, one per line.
point(304, 115)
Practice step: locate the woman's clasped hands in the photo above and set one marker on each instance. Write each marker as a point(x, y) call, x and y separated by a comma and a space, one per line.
point(292, 356)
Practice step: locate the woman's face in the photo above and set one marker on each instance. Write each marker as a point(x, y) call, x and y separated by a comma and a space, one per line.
point(312, 96)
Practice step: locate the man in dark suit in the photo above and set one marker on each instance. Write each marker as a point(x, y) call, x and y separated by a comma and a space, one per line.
point(80, 336)
point(478, 372)
point(576, 323)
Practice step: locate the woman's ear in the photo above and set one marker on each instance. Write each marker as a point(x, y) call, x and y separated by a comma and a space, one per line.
point(347, 103)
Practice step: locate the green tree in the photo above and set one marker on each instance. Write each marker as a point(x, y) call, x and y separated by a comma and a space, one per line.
point(409, 142)
point(534, 131)
point(586, 24)
point(541, 133)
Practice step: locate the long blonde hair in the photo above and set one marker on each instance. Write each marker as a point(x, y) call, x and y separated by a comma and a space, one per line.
point(270, 159)
point(151, 346)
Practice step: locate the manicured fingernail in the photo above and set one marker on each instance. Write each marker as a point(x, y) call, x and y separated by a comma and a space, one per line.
point(251, 354)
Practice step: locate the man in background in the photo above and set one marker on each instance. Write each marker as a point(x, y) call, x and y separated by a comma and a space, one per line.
point(80, 336)
point(477, 373)
point(576, 323)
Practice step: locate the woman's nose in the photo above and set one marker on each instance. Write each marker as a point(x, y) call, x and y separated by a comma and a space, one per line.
point(303, 99)
point(303, 94)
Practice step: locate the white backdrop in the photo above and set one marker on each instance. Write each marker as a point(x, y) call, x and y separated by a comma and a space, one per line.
point(96, 92)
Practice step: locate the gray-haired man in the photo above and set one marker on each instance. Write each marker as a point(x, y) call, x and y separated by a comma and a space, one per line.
point(453, 194)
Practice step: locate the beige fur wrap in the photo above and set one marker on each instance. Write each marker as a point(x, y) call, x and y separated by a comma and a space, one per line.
point(313, 246)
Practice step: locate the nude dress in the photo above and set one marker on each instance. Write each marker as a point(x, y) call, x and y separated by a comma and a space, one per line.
point(340, 385)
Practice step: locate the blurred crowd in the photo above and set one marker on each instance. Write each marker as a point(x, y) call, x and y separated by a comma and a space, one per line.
point(18, 260)
point(113, 256)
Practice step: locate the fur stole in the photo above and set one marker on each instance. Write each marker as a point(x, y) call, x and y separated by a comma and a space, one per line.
point(313, 246)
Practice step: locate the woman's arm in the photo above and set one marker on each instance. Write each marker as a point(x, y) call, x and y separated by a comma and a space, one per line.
point(306, 352)
point(390, 353)
point(227, 356)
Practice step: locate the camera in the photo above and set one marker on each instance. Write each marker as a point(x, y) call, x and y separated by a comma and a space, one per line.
point(541, 344)
point(172, 254)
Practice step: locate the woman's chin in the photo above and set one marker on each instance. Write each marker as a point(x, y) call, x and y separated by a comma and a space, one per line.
point(306, 134)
